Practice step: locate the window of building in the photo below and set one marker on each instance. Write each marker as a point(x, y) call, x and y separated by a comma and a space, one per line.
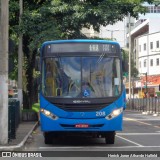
point(157, 44)
point(148, 9)
point(145, 64)
point(144, 46)
point(139, 64)
point(151, 62)
point(132, 24)
point(153, 9)
point(157, 61)
point(139, 48)
point(151, 45)
point(157, 9)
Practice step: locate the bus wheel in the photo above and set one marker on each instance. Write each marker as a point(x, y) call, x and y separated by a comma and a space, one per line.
point(110, 137)
point(47, 138)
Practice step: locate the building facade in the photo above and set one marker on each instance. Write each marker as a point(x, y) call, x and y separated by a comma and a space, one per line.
point(149, 53)
point(145, 51)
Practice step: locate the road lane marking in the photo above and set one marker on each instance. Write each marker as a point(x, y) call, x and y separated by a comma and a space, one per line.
point(95, 147)
point(134, 134)
point(129, 141)
point(143, 119)
point(157, 126)
point(84, 147)
point(130, 119)
point(135, 120)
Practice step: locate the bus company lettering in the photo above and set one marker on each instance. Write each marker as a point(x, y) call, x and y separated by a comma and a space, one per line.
point(81, 101)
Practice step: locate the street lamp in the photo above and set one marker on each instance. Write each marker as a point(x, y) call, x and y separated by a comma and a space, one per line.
point(112, 32)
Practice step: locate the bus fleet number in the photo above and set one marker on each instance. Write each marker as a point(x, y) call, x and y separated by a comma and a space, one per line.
point(100, 113)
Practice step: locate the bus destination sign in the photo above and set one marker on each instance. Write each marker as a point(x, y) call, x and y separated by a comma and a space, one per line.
point(81, 47)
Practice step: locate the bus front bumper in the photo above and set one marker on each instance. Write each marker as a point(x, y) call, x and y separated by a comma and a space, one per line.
point(65, 124)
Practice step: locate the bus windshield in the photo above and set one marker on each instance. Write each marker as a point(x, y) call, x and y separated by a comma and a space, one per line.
point(81, 77)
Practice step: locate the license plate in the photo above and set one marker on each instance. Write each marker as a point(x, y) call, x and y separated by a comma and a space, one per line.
point(81, 126)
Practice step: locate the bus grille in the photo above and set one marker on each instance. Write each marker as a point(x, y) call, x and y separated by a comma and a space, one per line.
point(81, 108)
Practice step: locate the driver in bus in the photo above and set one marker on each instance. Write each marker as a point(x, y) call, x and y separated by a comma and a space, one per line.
point(65, 81)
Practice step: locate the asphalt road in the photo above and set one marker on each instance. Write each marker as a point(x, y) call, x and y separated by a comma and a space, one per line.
point(140, 133)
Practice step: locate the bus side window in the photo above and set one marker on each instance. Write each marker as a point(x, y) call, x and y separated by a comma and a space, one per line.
point(49, 79)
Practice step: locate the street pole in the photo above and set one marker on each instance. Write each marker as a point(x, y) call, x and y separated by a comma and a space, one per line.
point(4, 71)
point(129, 55)
point(112, 35)
point(146, 85)
point(20, 59)
point(112, 32)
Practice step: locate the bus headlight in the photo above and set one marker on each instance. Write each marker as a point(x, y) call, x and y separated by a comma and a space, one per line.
point(115, 113)
point(49, 114)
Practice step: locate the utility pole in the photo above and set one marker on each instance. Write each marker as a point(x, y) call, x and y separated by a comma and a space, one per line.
point(146, 86)
point(20, 59)
point(129, 18)
point(4, 71)
point(112, 32)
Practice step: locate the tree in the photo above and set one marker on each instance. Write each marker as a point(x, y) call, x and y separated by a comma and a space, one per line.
point(13, 42)
point(33, 36)
point(83, 13)
point(62, 19)
point(134, 71)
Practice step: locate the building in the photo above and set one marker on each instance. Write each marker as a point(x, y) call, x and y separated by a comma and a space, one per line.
point(145, 48)
point(148, 60)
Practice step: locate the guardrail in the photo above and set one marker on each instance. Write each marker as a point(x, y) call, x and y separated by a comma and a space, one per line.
point(150, 105)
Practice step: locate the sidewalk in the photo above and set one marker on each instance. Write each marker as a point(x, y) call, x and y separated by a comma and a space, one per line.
point(23, 132)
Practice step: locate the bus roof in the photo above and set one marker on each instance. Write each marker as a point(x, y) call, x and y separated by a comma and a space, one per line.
point(81, 40)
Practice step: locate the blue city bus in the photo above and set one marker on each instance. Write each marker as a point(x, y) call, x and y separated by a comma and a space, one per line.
point(82, 91)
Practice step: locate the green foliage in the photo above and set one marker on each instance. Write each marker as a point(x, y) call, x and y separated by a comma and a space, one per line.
point(13, 30)
point(158, 94)
point(155, 2)
point(14, 73)
point(78, 14)
point(28, 110)
point(36, 107)
point(37, 29)
point(134, 71)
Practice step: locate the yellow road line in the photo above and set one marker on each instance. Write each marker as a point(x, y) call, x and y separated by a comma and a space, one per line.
point(130, 119)
point(157, 126)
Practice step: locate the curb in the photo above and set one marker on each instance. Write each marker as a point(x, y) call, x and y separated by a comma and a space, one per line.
point(21, 144)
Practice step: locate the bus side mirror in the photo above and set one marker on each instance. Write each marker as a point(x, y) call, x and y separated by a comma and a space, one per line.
point(37, 63)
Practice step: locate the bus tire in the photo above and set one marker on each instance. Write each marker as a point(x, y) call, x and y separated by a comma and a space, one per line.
point(110, 137)
point(48, 138)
